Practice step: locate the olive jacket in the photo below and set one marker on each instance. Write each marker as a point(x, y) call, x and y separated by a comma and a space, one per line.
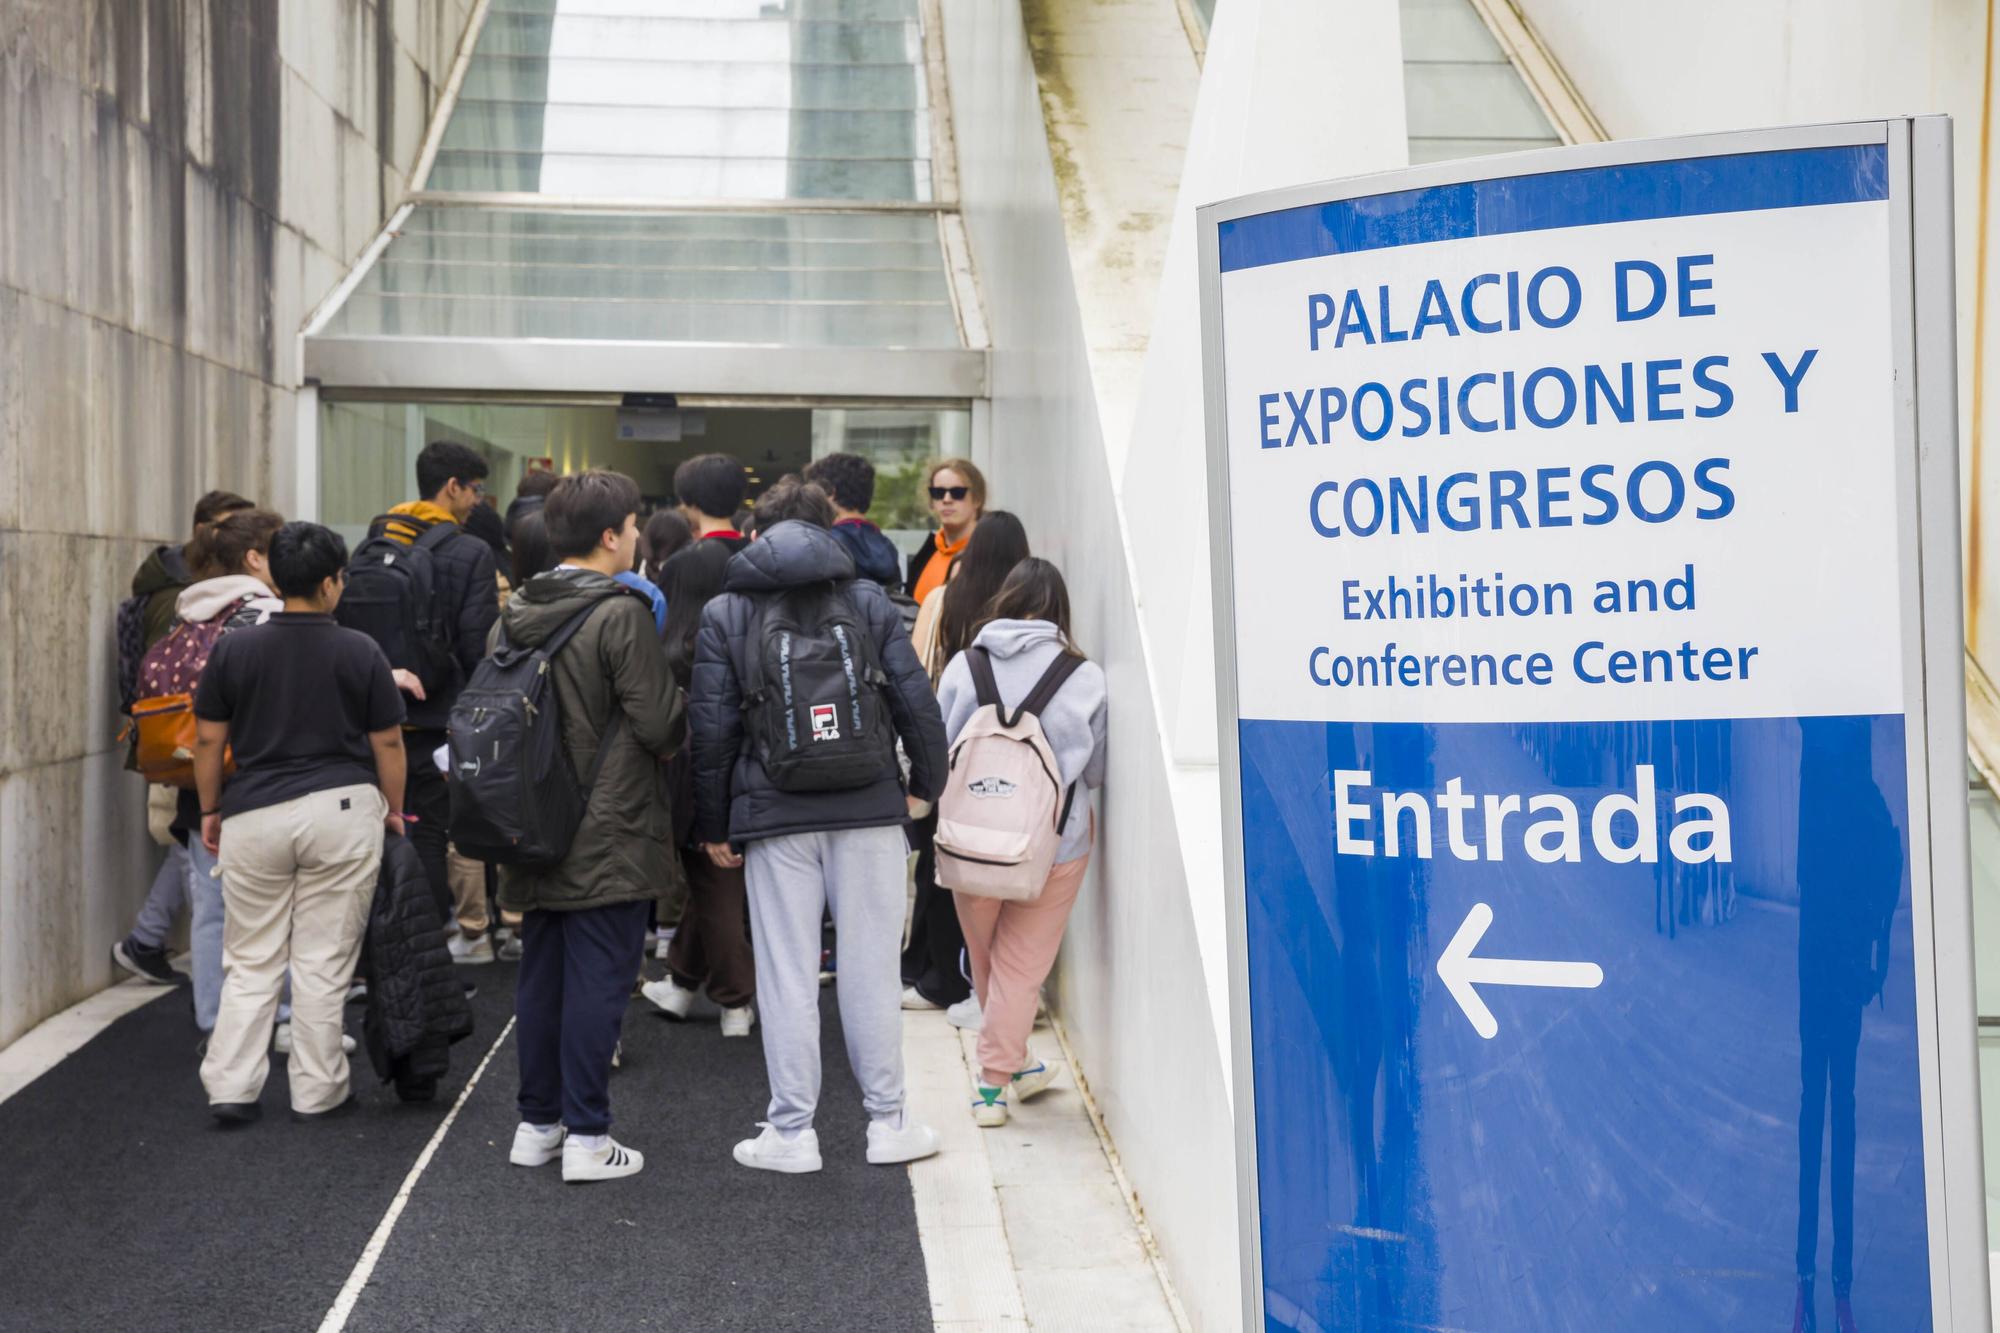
point(613, 668)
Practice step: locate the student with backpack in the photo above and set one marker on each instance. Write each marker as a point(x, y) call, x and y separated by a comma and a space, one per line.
point(932, 975)
point(424, 589)
point(579, 830)
point(803, 682)
point(143, 620)
point(710, 946)
point(1026, 716)
point(313, 718)
point(232, 591)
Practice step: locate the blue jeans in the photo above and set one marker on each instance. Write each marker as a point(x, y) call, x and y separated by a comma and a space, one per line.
point(163, 900)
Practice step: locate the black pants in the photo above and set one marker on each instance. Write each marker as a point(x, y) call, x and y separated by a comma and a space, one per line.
point(931, 963)
point(426, 797)
point(1829, 1036)
point(569, 1007)
point(712, 944)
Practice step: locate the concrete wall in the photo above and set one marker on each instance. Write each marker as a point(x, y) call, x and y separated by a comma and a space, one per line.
point(1651, 70)
point(180, 182)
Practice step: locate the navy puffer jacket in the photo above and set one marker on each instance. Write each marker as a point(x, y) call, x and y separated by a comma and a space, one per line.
point(734, 798)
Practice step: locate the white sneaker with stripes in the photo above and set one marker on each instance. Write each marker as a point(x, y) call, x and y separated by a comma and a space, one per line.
point(598, 1157)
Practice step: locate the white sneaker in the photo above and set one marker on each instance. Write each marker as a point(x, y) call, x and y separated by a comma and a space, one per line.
point(914, 999)
point(535, 1145)
point(471, 952)
point(990, 1115)
point(737, 1022)
point(966, 1014)
point(772, 1151)
point(670, 997)
point(900, 1140)
point(1034, 1081)
point(610, 1162)
point(281, 1040)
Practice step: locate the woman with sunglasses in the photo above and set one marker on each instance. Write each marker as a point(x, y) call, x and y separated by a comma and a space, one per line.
point(958, 497)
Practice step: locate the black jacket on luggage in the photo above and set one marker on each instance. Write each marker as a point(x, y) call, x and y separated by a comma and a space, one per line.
point(735, 799)
point(416, 1006)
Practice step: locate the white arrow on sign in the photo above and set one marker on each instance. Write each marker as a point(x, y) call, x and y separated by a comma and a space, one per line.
point(1460, 971)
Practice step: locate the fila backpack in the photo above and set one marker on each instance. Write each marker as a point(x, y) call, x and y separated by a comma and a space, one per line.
point(813, 708)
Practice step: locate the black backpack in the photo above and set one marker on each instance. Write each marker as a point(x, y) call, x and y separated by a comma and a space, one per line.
point(392, 597)
point(515, 798)
point(814, 714)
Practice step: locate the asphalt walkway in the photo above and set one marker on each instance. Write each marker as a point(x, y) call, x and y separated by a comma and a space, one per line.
point(121, 1206)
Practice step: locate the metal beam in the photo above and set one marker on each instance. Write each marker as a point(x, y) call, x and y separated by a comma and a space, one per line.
point(540, 366)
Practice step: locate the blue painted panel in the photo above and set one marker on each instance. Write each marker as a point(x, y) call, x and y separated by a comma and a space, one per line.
point(1739, 183)
point(1627, 1158)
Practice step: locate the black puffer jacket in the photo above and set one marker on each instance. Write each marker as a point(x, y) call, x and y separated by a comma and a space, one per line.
point(467, 592)
point(416, 1006)
point(734, 799)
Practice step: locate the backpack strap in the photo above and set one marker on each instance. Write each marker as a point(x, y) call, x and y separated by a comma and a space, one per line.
point(434, 536)
point(1044, 693)
point(980, 663)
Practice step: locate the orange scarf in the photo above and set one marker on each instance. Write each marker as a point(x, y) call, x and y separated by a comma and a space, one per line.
point(939, 564)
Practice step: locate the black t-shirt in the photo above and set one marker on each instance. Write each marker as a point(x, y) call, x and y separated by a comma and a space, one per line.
point(300, 695)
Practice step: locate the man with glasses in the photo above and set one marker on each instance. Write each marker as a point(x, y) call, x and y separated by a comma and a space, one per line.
point(465, 601)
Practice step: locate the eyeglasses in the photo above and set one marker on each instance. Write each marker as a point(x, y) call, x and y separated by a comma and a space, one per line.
point(479, 488)
point(955, 492)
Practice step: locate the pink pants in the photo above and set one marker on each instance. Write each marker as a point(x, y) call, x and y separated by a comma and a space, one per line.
point(1012, 947)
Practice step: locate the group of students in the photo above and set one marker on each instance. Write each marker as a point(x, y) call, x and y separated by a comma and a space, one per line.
point(762, 727)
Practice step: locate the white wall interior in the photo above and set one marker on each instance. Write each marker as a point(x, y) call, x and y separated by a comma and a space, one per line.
point(1086, 264)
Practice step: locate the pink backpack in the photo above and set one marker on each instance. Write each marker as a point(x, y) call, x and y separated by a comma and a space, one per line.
point(174, 664)
point(1001, 817)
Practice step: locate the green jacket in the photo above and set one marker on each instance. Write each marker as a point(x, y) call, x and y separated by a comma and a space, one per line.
point(160, 581)
point(623, 850)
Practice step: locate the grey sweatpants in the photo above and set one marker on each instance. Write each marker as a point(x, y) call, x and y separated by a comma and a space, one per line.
point(792, 880)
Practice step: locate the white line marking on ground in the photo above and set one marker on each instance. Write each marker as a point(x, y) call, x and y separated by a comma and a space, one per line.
point(43, 1047)
point(364, 1267)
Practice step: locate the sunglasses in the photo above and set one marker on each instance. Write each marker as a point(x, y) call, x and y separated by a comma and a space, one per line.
point(955, 492)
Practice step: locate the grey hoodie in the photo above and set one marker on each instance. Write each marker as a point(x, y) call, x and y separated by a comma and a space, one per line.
point(1073, 721)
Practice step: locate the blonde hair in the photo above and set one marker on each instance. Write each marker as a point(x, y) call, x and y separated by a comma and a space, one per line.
point(975, 480)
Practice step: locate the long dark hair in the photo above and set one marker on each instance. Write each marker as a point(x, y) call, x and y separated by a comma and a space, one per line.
point(1034, 590)
point(532, 554)
point(997, 545)
point(665, 533)
point(691, 579)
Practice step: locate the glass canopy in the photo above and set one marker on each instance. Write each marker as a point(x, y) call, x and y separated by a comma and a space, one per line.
point(693, 196)
point(803, 279)
point(1463, 97)
point(694, 99)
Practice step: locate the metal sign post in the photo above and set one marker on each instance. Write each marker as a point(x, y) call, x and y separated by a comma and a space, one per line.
point(1588, 637)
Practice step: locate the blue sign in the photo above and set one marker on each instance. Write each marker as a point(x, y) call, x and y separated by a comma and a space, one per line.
point(1567, 648)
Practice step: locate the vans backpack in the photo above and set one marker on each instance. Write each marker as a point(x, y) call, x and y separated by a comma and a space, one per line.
point(163, 713)
point(813, 708)
point(392, 597)
point(1001, 817)
point(515, 798)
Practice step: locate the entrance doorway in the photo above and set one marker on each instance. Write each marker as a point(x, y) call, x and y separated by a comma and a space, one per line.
point(368, 448)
